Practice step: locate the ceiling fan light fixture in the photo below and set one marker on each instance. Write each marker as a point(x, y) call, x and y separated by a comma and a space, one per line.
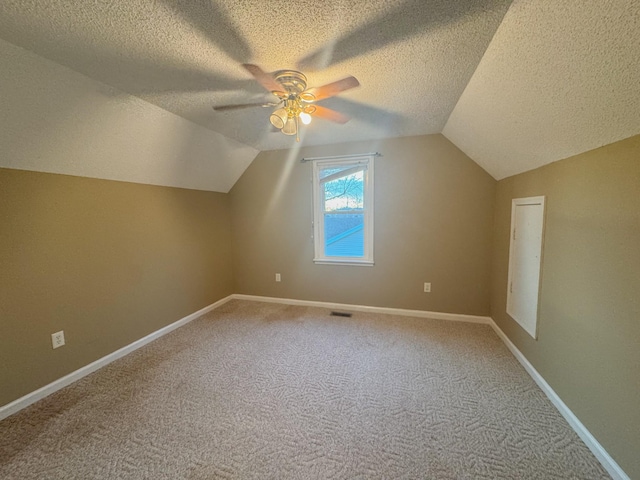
point(290, 127)
point(279, 118)
point(305, 118)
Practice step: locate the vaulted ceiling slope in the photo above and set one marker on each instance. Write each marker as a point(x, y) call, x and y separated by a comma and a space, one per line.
point(515, 86)
point(558, 79)
point(55, 120)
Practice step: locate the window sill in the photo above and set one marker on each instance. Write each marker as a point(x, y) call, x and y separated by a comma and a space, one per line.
point(351, 262)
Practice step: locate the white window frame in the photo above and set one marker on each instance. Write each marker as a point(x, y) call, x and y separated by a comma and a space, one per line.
point(318, 210)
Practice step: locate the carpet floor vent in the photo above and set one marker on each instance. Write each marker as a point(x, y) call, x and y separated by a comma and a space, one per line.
point(341, 314)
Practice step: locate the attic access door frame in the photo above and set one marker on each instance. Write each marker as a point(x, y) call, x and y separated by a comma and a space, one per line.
point(525, 261)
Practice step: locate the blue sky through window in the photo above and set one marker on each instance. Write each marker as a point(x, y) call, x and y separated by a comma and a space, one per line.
point(343, 211)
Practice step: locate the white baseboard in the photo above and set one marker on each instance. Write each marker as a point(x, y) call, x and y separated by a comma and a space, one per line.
point(364, 308)
point(25, 401)
point(30, 398)
point(598, 450)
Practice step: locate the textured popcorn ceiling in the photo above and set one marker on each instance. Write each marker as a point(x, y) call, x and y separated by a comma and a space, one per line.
point(558, 78)
point(55, 120)
point(413, 58)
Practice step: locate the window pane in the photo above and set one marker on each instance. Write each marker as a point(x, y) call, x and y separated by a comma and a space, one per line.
point(343, 188)
point(344, 235)
point(344, 193)
point(325, 172)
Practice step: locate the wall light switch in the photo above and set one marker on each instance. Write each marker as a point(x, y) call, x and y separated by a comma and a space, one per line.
point(57, 339)
point(278, 277)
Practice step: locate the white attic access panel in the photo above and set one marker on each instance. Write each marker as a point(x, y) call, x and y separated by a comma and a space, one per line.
point(525, 260)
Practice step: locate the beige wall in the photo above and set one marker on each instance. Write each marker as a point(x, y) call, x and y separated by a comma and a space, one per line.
point(107, 262)
point(433, 217)
point(588, 348)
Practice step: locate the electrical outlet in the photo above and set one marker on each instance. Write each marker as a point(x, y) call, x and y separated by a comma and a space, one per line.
point(427, 287)
point(278, 278)
point(57, 339)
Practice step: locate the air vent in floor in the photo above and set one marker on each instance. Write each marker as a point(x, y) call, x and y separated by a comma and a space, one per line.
point(341, 314)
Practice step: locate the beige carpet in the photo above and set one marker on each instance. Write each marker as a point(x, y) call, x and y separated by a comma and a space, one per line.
point(266, 391)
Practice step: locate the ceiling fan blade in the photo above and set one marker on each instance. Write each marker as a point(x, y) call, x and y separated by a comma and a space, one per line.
point(222, 108)
point(331, 115)
point(263, 78)
point(331, 89)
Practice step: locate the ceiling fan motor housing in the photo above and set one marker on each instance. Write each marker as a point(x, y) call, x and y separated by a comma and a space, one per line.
point(292, 81)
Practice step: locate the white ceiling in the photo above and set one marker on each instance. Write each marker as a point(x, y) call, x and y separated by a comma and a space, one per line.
point(55, 120)
point(558, 77)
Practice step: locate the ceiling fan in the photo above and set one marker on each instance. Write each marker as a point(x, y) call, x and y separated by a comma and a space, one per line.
point(296, 103)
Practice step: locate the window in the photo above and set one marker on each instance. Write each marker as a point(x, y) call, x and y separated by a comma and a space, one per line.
point(343, 210)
